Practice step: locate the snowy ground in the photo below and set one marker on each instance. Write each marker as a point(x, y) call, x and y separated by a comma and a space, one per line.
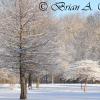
point(53, 92)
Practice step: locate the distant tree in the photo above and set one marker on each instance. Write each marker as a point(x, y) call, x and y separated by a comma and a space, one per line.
point(83, 71)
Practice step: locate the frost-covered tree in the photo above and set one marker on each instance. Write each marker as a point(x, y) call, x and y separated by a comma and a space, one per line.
point(55, 53)
point(26, 43)
point(93, 30)
point(73, 26)
point(16, 37)
point(8, 76)
point(83, 71)
point(83, 37)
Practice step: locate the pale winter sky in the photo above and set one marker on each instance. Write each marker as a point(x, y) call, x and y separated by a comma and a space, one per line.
point(94, 5)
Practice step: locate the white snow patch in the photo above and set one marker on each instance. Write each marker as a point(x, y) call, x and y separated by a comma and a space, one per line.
point(53, 92)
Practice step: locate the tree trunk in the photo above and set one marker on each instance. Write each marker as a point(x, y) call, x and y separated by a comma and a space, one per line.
point(23, 79)
point(23, 85)
point(46, 78)
point(30, 81)
point(38, 82)
point(52, 79)
point(85, 86)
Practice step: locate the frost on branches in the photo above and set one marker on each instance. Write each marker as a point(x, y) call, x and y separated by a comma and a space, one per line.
point(7, 76)
point(85, 70)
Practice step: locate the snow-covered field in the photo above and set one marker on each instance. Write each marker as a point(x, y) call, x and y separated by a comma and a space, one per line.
point(53, 92)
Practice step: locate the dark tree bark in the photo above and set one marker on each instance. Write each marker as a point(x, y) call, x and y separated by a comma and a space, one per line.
point(23, 83)
point(23, 79)
point(30, 80)
point(46, 78)
point(85, 86)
